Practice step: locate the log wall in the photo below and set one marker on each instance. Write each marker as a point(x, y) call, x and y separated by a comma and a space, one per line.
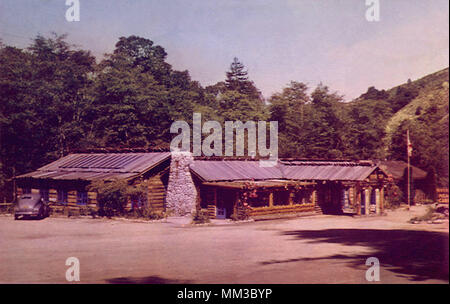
point(281, 209)
point(156, 193)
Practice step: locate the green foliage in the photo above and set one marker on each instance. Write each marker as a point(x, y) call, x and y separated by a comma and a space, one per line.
point(430, 140)
point(42, 104)
point(200, 216)
point(237, 80)
point(241, 214)
point(374, 94)
point(147, 213)
point(242, 210)
point(365, 127)
point(112, 196)
point(291, 111)
point(431, 185)
point(394, 196)
point(56, 99)
point(403, 96)
point(310, 126)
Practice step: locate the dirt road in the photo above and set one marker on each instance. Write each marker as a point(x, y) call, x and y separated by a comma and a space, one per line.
point(316, 249)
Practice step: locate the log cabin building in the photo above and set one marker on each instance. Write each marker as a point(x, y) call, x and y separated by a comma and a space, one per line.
point(222, 186)
point(293, 186)
point(397, 170)
point(64, 183)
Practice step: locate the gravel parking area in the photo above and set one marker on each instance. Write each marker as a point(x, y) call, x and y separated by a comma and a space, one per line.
point(314, 249)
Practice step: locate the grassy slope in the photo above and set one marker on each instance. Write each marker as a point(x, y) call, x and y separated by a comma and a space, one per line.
point(433, 90)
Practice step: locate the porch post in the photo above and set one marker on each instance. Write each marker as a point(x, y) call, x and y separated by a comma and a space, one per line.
point(367, 200)
point(357, 198)
point(378, 202)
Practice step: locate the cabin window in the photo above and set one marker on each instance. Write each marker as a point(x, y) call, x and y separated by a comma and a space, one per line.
point(44, 194)
point(303, 197)
point(82, 198)
point(280, 198)
point(261, 199)
point(62, 196)
point(207, 197)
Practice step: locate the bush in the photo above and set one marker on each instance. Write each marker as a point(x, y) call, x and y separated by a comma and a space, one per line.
point(241, 214)
point(394, 196)
point(112, 196)
point(147, 213)
point(200, 216)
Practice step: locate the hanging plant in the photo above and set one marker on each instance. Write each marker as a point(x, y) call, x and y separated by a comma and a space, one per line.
point(243, 207)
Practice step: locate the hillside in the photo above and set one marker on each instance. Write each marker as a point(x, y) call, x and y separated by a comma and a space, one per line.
point(382, 118)
point(433, 90)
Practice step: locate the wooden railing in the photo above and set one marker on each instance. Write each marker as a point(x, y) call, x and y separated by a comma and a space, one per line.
point(256, 211)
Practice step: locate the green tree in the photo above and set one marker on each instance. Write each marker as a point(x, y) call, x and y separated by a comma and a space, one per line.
point(237, 80)
point(290, 109)
point(42, 102)
point(430, 140)
point(137, 96)
point(364, 127)
point(324, 139)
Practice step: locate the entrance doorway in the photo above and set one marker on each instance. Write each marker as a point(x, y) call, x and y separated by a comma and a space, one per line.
point(363, 202)
point(225, 203)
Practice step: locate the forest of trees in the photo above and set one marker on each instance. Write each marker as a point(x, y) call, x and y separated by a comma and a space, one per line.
point(55, 98)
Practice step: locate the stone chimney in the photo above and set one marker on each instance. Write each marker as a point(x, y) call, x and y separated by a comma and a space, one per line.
point(181, 196)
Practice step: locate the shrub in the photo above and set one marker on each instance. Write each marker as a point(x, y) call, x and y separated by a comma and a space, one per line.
point(111, 196)
point(200, 216)
point(241, 214)
point(394, 196)
point(147, 213)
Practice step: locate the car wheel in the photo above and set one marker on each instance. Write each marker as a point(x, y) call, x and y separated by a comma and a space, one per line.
point(16, 217)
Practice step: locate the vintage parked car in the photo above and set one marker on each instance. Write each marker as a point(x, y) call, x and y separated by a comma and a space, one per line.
point(31, 205)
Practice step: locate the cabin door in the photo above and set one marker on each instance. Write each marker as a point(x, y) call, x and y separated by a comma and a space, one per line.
point(225, 203)
point(363, 202)
point(373, 201)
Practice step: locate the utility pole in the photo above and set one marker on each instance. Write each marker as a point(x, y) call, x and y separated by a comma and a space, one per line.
point(409, 153)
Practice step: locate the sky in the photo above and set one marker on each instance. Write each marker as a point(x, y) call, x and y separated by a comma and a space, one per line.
point(311, 41)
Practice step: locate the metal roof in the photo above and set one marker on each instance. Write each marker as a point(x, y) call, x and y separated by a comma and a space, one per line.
point(90, 166)
point(213, 171)
point(328, 172)
point(227, 170)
